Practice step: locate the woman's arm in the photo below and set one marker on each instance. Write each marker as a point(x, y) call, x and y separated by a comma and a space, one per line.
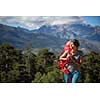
point(76, 62)
point(63, 56)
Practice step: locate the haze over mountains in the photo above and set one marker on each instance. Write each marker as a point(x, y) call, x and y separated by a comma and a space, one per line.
point(53, 37)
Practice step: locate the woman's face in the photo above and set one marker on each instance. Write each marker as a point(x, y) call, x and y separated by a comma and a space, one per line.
point(73, 47)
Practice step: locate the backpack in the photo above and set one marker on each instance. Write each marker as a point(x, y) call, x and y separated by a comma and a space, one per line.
point(61, 63)
point(67, 46)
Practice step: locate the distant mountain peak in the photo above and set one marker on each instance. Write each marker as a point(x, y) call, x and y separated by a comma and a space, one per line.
point(51, 36)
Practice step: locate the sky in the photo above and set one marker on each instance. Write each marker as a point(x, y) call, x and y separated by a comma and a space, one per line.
point(33, 22)
point(92, 20)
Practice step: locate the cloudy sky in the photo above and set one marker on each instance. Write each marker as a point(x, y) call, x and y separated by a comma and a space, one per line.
point(32, 22)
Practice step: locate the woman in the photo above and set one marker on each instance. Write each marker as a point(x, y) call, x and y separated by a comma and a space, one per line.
point(74, 64)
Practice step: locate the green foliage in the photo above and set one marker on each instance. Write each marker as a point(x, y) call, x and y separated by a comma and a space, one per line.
point(27, 67)
point(53, 76)
point(90, 70)
point(9, 56)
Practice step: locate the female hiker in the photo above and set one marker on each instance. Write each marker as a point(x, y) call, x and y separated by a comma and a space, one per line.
point(73, 61)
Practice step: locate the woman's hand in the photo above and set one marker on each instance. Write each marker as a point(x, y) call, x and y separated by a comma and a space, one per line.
point(69, 55)
point(76, 62)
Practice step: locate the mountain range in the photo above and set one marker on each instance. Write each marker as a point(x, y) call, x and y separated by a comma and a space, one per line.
point(53, 37)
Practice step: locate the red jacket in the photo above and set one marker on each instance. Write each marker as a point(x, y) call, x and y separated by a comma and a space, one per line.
point(61, 63)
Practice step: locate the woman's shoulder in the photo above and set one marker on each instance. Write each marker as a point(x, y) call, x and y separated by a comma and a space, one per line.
point(80, 52)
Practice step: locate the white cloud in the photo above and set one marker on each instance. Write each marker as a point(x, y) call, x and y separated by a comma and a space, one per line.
point(32, 22)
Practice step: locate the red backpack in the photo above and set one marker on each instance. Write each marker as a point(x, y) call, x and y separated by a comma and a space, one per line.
point(67, 46)
point(61, 63)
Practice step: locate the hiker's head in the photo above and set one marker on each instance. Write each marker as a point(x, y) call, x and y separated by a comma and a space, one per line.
point(74, 43)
